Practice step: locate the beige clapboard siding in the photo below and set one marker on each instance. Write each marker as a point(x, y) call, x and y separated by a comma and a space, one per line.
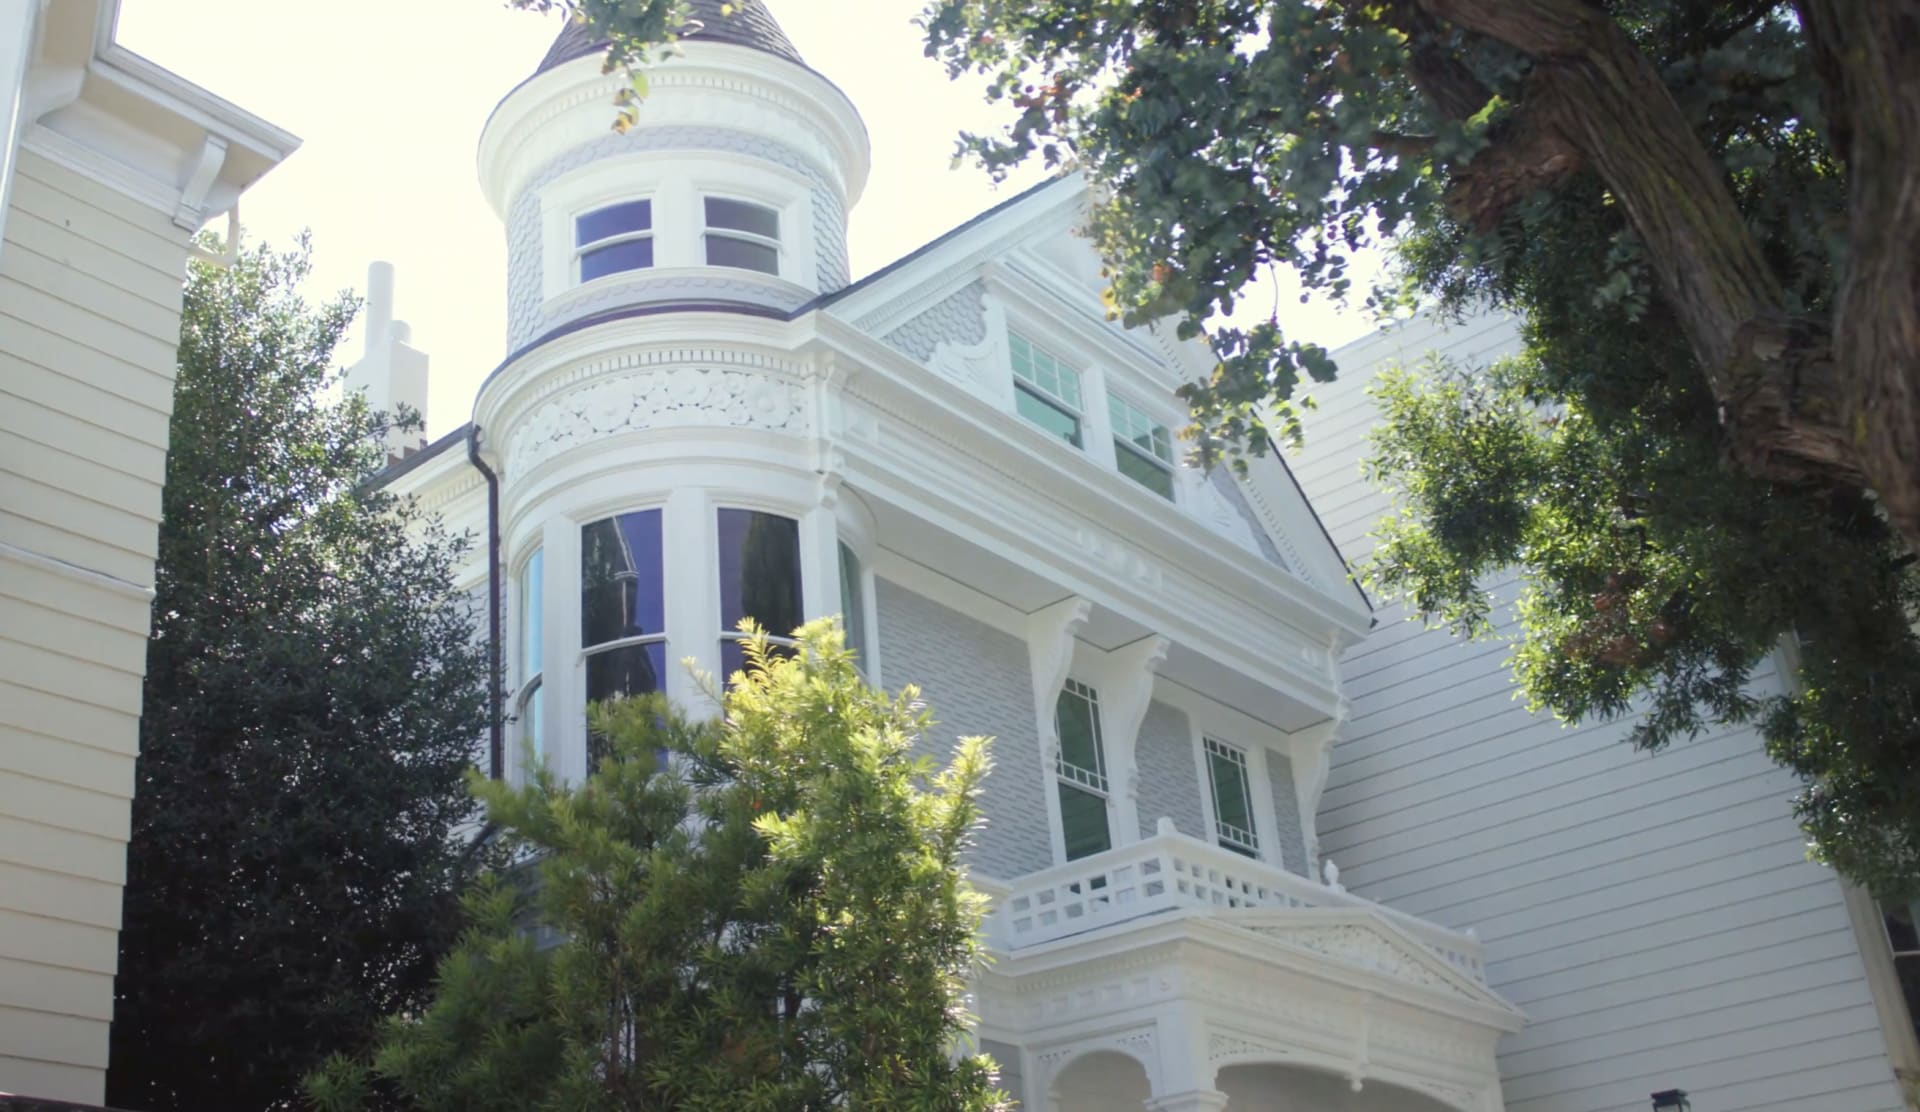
point(90, 290)
point(1653, 914)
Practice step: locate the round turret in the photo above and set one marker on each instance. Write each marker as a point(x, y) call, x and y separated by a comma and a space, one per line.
point(731, 189)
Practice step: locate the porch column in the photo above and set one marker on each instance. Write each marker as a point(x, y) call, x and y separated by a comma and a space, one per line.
point(1193, 1100)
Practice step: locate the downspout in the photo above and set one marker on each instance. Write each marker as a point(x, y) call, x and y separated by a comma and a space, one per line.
point(497, 747)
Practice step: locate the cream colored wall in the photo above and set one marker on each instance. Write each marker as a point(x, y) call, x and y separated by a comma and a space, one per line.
point(90, 289)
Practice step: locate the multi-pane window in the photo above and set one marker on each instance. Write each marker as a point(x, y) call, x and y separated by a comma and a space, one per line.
point(759, 579)
point(1903, 933)
point(1232, 798)
point(614, 238)
point(1045, 391)
point(1142, 447)
point(742, 235)
point(623, 629)
point(532, 672)
point(1081, 771)
point(853, 606)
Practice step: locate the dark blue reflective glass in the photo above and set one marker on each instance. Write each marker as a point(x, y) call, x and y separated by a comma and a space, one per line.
point(742, 216)
point(620, 579)
point(614, 220)
point(759, 571)
point(742, 254)
point(632, 254)
point(628, 670)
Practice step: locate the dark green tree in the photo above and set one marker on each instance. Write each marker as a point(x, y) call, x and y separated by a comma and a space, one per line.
point(313, 701)
point(1705, 213)
point(759, 914)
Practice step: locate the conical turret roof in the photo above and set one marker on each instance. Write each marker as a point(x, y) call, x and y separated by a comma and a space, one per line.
point(742, 23)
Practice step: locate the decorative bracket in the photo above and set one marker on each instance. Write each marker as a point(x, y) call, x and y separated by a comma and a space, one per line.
point(1050, 634)
point(1312, 754)
point(1126, 692)
point(192, 210)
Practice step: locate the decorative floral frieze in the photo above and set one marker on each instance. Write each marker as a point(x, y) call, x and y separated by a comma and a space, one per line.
point(660, 397)
point(1368, 949)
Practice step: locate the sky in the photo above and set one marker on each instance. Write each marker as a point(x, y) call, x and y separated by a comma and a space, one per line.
point(389, 97)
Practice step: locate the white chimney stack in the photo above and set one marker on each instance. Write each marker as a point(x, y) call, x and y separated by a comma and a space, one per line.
point(392, 373)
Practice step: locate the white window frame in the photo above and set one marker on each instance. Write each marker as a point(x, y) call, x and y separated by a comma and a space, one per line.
point(532, 681)
point(1120, 406)
point(576, 590)
point(1243, 758)
point(1079, 411)
point(1095, 782)
point(676, 187)
point(708, 230)
point(581, 250)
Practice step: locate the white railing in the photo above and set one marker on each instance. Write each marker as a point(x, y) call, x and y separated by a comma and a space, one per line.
point(1172, 871)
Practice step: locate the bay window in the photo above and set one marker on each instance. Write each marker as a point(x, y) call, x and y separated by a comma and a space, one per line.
point(853, 606)
point(623, 632)
point(1081, 771)
point(529, 701)
point(759, 579)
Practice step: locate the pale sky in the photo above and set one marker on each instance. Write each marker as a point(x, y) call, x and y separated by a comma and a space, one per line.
point(389, 97)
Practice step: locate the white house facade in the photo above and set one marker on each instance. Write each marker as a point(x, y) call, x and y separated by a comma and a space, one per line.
point(701, 418)
point(108, 165)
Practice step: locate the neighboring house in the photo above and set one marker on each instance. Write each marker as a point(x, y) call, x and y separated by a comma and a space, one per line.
point(702, 418)
point(108, 166)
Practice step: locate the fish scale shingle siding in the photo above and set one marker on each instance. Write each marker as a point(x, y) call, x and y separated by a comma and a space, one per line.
point(976, 680)
point(1655, 916)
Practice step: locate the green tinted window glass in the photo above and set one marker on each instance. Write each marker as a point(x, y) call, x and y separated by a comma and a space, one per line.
point(1132, 426)
point(1083, 819)
point(1077, 721)
point(1155, 477)
point(1047, 415)
point(1232, 797)
point(853, 605)
point(1035, 367)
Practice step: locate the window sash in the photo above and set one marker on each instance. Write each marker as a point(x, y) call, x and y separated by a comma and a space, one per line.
point(743, 223)
point(1044, 372)
point(1076, 725)
point(1084, 826)
point(1046, 414)
point(1233, 819)
point(1136, 429)
point(853, 605)
point(623, 224)
point(1143, 469)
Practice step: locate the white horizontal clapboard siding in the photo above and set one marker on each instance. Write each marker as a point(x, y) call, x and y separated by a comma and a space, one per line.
point(1655, 915)
point(90, 290)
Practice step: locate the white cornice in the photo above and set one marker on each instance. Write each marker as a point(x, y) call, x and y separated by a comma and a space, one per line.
point(541, 117)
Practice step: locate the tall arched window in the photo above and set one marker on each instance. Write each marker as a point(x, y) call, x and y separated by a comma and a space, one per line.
point(531, 701)
point(759, 579)
point(623, 630)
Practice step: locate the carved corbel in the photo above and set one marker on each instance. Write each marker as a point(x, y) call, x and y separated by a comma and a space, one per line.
point(192, 209)
point(1312, 753)
point(1050, 634)
point(1125, 693)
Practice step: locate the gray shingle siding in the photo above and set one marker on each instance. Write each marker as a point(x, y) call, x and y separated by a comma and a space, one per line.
point(527, 317)
point(959, 319)
point(976, 681)
point(1169, 782)
point(1286, 814)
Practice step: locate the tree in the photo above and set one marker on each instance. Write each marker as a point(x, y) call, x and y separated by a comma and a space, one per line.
point(313, 698)
point(759, 913)
point(1706, 214)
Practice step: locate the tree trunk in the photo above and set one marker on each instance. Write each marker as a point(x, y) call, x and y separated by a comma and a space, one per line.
point(1796, 404)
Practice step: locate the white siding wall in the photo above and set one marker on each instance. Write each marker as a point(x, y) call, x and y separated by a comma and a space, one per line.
point(1654, 915)
point(90, 287)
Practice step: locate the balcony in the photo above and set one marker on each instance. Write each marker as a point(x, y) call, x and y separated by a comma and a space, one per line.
point(1181, 975)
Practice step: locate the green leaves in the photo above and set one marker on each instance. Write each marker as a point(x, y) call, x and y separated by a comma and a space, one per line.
point(313, 699)
point(761, 912)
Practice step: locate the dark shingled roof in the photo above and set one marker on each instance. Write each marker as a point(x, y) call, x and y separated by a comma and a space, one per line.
point(745, 23)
